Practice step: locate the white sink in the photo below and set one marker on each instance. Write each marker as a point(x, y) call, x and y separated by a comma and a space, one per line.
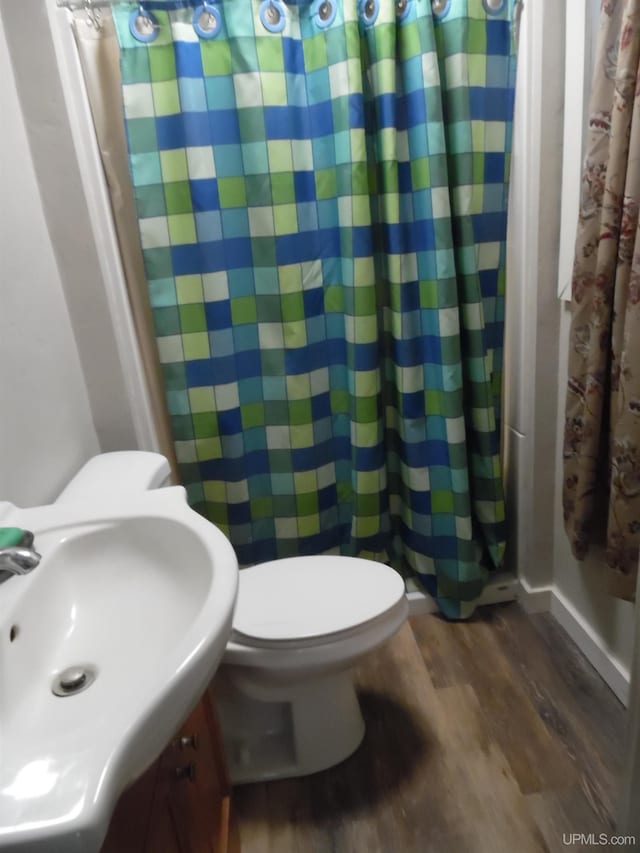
point(141, 592)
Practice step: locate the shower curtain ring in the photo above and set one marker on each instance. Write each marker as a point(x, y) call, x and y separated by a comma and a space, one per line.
point(272, 15)
point(143, 26)
point(206, 20)
point(94, 16)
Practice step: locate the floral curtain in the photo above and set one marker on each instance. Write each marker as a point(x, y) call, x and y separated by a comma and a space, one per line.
point(602, 436)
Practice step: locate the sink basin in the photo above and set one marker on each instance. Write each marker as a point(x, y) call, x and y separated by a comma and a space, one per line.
point(140, 594)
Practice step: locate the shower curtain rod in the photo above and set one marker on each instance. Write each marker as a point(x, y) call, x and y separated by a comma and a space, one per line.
point(88, 5)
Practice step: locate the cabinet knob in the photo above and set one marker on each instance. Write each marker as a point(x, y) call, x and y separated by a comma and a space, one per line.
point(187, 771)
point(189, 741)
point(186, 742)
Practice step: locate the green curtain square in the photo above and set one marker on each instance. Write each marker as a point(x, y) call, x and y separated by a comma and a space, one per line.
point(420, 174)
point(253, 415)
point(142, 136)
point(388, 177)
point(162, 63)
point(192, 318)
point(365, 301)
point(369, 505)
point(174, 375)
point(262, 507)
point(182, 229)
point(282, 188)
point(263, 251)
point(258, 190)
point(189, 289)
point(216, 57)
point(243, 310)
point(292, 307)
point(182, 427)
point(174, 165)
point(196, 346)
point(178, 197)
point(270, 54)
point(326, 183)
point(167, 321)
point(285, 219)
point(366, 410)
point(201, 399)
point(462, 169)
point(315, 52)
point(150, 201)
point(409, 41)
point(450, 350)
point(251, 122)
point(442, 502)
point(232, 192)
point(334, 299)
point(443, 234)
point(477, 36)
point(336, 45)
point(134, 65)
point(300, 412)
point(307, 504)
point(208, 448)
point(158, 263)
point(245, 58)
point(205, 424)
point(458, 105)
point(340, 402)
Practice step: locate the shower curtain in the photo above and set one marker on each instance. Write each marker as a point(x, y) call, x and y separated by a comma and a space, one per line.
point(321, 191)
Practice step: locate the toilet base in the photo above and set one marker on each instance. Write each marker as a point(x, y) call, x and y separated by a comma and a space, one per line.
point(285, 730)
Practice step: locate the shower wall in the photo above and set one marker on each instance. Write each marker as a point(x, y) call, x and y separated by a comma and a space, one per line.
point(46, 426)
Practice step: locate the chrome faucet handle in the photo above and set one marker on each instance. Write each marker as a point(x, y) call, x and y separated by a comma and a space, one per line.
point(18, 560)
point(27, 540)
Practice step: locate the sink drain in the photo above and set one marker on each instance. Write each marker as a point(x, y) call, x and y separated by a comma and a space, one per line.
point(73, 680)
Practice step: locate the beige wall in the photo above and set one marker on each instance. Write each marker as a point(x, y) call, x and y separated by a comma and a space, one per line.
point(46, 427)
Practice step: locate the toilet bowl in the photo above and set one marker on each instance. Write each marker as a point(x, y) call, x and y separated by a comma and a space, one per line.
point(285, 692)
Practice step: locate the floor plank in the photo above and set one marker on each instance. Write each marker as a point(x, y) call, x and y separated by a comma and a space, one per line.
point(474, 653)
point(480, 739)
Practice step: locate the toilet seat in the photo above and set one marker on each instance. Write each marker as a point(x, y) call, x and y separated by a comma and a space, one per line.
point(305, 602)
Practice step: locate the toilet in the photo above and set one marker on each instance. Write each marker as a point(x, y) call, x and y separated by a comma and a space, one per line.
point(285, 691)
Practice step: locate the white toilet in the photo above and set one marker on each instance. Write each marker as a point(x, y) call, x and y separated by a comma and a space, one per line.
point(285, 692)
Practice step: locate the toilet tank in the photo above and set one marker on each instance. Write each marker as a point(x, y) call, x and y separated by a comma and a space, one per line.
point(120, 472)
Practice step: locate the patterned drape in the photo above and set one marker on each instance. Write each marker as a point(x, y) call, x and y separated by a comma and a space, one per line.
point(602, 435)
point(321, 191)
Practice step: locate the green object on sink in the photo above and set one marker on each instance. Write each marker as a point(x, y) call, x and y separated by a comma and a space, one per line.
point(11, 537)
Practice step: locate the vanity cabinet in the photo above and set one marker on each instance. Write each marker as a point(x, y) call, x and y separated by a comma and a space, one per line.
point(182, 804)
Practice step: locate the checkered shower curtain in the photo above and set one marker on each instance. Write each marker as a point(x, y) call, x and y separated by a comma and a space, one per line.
point(322, 213)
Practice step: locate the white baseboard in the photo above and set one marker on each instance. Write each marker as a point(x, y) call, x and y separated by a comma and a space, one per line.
point(591, 645)
point(534, 599)
point(502, 587)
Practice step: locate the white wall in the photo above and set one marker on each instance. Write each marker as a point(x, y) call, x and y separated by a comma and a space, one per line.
point(77, 253)
point(539, 324)
point(532, 313)
point(46, 427)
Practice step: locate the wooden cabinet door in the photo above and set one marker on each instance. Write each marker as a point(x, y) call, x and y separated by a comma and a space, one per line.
point(182, 803)
point(131, 819)
point(198, 798)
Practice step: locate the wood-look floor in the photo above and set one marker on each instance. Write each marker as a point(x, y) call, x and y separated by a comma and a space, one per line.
point(492, 736)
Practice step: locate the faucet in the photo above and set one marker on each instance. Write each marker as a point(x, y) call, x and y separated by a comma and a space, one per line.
point(20, 559)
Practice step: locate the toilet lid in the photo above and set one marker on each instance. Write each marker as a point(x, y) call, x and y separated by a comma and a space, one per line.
point(300, 598)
